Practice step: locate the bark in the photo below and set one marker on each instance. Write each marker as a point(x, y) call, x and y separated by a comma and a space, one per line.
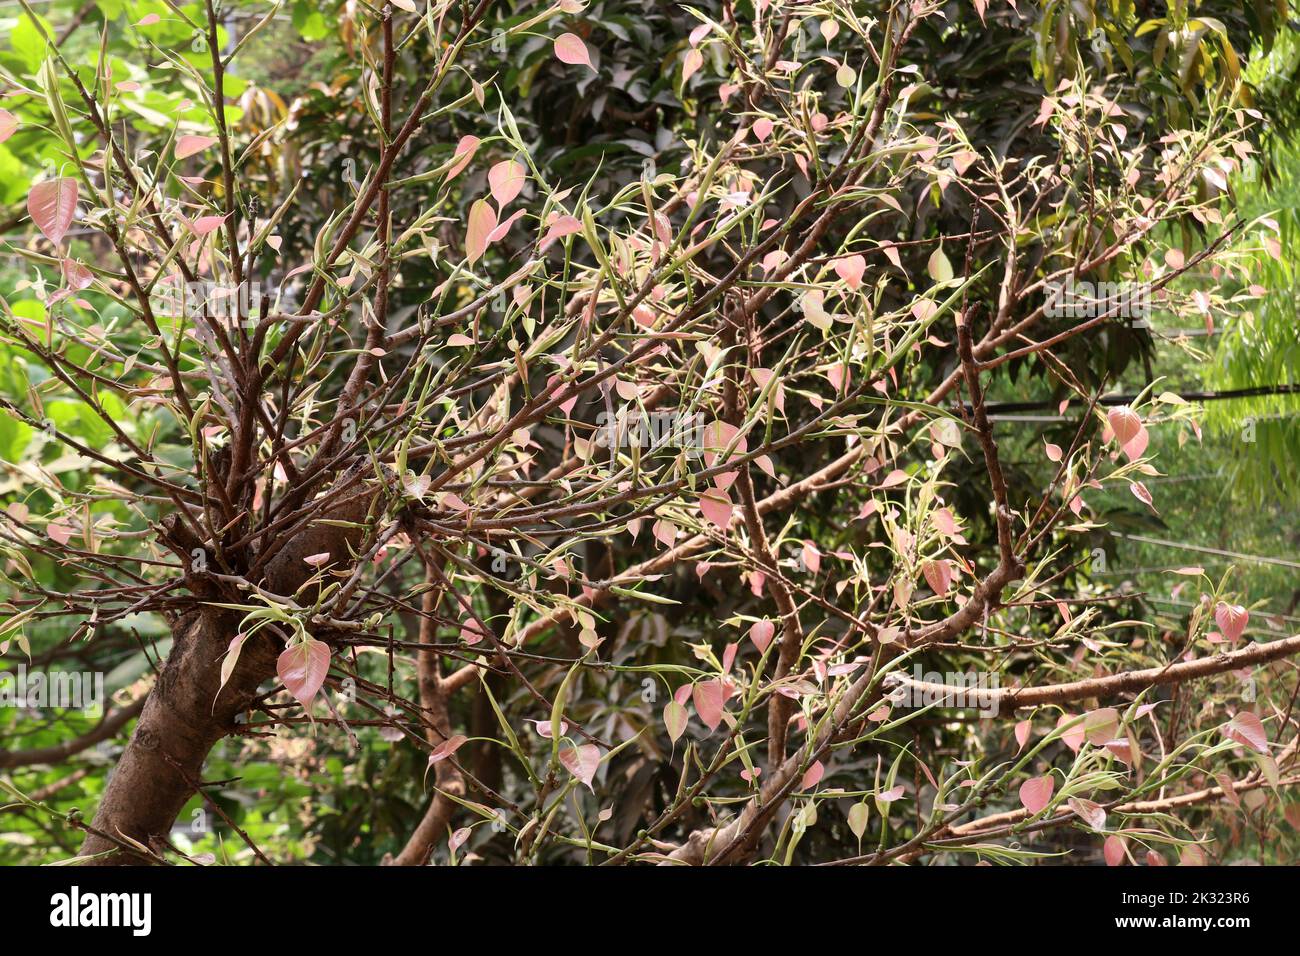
point(185, 716)
point(447, 778)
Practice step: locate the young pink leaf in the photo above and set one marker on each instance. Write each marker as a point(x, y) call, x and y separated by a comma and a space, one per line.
point(75, 274)
point(1141, 493)
point(761, 633)
point(851, 270)
point(58, 531)
point(1101, 725)
point(232, 658)
point(1231, 619)
point(570, 49)
point(812, 776)
point(206, 224)
point(1054, 452)
point(1247, 729)
point(1073, 738)
point(811, 557)
point(482, 220)
point(559, 227)
point(187, 146)
point(1113, 850)
point(1022, 734)
point(52, 206)
point(582, 762)
point(506, 179)
point(938, 574)
point(709, 696)
point(1036, 793)
point(465, 150)
point(1124, 422)
point(303, 667)
point(447, 748)
point(8, 123)
point(1093, 814)
point(715, 505)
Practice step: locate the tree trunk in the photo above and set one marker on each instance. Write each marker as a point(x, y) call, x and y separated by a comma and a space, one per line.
point(182, 720)
point(185, 715)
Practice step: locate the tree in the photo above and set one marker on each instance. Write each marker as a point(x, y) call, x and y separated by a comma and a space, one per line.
point(666, 443)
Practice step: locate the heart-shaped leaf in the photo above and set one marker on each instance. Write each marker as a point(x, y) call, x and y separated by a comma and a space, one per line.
point(582, 762)
point(52, 205)
point(1036, 793)
point(303, 667)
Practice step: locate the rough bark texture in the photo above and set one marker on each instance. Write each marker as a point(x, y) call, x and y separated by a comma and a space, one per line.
point(185, 715)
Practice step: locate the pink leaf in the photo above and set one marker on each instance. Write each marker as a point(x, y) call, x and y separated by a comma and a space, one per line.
point(938, 574)
point(1101, 725)
point(482, 220)
point(187, 146)
point(8, 123)
point(506, 179)
point(52, 205)
point(1022, 734)
point(763, 129)
point(812, 776)
point(1231, 619)
point(1090, 813)
point(1134, 447)
point(851, 269)
point(503, 227)
point(812, 558)
point(1073, 738)
point(58, 531)
point(1141, 493)
point(232, 658)
point(303, 667)
point(1036, 793)
point(715, 505)
point(1113, 851)
point(709, 696)
point(570, 49)
point(75, 274)
point(447, 748)
point(582, 762)
point(761, 633)
point(465, 151)
point(1247, 729)
point(1124, 422)
point(693, 60)
point(560, 227)
point(206, 224)
point(1054, 452)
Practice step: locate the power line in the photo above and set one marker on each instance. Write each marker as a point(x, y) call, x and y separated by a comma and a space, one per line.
point(1160, 542)
point(1225, 395)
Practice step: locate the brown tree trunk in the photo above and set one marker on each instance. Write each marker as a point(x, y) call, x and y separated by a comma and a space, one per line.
point(182, 720)
point(185, 715)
